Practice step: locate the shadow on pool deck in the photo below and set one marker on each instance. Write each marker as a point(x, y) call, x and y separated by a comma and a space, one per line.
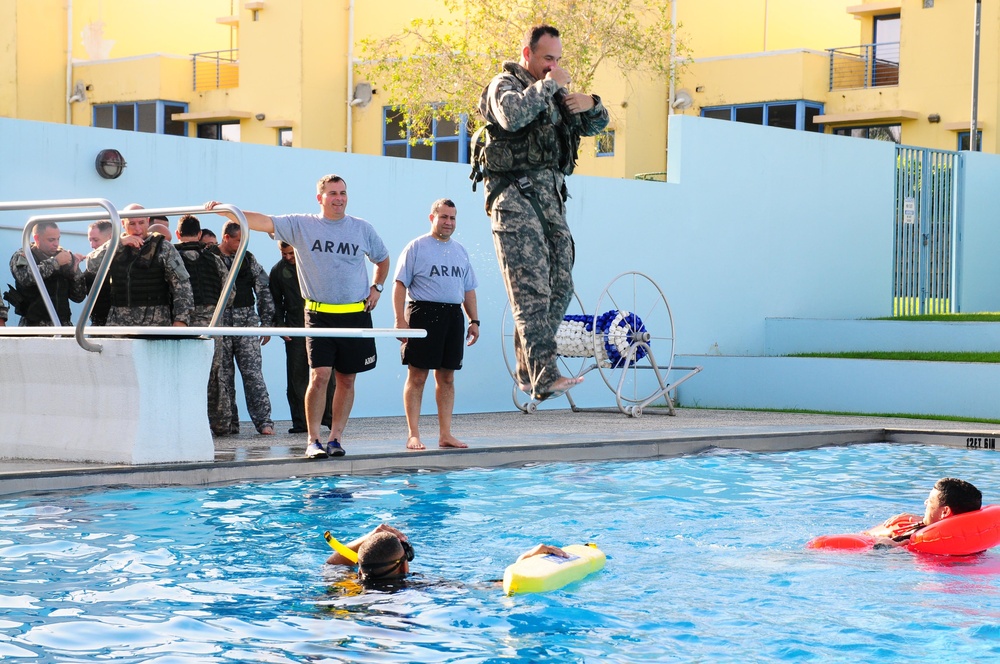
point(377, 445)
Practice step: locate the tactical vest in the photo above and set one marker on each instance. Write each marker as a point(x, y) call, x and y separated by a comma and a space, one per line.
point(244, 285)
point(206, 282)
point(32, 307)
point(541, 144)
point(137, 278)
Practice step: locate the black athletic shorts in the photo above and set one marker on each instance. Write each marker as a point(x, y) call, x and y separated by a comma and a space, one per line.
point(348, 356)
point(444, 345)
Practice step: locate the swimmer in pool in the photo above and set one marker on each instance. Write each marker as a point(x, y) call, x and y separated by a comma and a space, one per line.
point(385, 554)
point(950, 496)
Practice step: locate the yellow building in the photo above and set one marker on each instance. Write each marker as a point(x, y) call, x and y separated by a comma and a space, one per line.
point(906, 75)
point(280, 72)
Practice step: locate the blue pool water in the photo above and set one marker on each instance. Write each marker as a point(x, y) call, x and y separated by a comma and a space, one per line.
point(706, 563)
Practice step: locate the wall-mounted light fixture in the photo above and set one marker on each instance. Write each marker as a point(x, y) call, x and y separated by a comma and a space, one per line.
point(362, 95)
point(260, 117)
point(110, 164)
point(933, 117)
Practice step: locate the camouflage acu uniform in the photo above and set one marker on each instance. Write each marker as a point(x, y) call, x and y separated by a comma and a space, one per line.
point(175, 275)
point(3, 310)
point(223, 414)
point(536, 255)
point(48, 268)
point(201, 314)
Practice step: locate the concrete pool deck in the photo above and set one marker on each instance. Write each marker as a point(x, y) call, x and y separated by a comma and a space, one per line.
point(377, 445)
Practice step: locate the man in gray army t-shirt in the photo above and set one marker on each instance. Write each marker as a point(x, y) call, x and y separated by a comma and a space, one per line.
point(331, 249)
point(436, 273)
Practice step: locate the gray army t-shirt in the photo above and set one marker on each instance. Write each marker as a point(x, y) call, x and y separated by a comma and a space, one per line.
point(330, 255)
point(436, 271)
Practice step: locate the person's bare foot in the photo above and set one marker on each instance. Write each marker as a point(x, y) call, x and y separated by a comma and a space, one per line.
point(413, 443)
point(451, 441)
point(558, 388)
point(267, 431)
point(565, 383)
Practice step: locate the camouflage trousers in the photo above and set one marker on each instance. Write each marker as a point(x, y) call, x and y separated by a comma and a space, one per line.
point(223, 414)
point(537, 269)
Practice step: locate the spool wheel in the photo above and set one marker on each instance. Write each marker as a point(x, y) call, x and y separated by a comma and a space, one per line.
point(641, 340)
point(569, 366)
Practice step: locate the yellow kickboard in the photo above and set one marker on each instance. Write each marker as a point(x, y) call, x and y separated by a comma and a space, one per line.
point(540, 574)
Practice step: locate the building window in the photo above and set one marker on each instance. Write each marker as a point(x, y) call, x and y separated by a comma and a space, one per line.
point(220, 131)
point(605, 143)
point(963, 140)
point(798, 115)
point(151, 117)
point(891, 133)
point(285, 137)
point(450, 139)
point(885, 50)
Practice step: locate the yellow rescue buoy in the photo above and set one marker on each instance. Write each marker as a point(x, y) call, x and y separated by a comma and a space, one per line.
point(539, 574)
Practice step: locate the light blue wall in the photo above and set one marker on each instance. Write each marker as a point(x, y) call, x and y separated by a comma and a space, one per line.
point(955, 389)
point(979, 233)
point(791, 336)
point(754, 223)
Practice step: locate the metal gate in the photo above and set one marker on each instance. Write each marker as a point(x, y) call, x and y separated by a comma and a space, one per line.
point(923, 279)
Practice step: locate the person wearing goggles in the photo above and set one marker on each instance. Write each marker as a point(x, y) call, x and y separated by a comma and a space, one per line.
point(384, 555)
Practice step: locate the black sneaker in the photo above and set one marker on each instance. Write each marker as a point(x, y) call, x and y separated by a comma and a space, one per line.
point(334, 449)
point(315, 450)
point(298, 430)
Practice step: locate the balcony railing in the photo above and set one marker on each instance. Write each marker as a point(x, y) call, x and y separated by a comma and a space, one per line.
point(212, 70)
point(864, 66)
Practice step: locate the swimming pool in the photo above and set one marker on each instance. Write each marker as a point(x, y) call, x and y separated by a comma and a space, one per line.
point(706, 563)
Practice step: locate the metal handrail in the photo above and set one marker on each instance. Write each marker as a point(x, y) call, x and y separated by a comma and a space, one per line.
point(217, 59)
point(212, 330)
point(111, 214)
point(112, 248)
point(861, 66)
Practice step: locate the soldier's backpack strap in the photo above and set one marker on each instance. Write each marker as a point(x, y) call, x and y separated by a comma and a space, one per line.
point(527, 189)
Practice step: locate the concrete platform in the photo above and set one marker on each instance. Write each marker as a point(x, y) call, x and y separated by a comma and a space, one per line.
point(377, 445)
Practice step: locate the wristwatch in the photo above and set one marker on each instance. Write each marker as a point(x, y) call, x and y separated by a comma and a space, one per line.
point(378, 287)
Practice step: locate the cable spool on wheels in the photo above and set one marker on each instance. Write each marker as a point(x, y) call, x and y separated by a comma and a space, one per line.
point(629, 339)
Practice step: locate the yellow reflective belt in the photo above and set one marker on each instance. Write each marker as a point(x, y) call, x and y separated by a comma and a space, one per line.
point(324, 308)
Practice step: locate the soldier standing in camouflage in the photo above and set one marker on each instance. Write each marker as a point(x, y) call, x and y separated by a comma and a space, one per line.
point(533, 129)
point(251, 285)
point(61, 275)
point(208, 272)
point(148, 282)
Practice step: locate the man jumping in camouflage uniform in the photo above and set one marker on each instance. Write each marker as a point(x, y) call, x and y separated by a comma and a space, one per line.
point(251, 281)
point(533, 133)
point(148, 282)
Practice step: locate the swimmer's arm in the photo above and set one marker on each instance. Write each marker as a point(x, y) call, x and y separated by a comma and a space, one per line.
point(541, 550)
point(338, 559)
point(889, 543)
point(895, 525)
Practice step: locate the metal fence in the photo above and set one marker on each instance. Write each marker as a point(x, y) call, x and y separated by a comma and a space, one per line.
point(212, 70)
point(924, 232)
point(864, 66)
